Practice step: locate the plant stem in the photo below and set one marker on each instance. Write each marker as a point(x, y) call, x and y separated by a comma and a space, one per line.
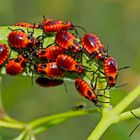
point(66, 115)
point(40, 130)
point(105, 100)
point(101, 127)
point(11, 125)
point(127, 100)
point(113, 116)
point(21, 136)
point(11, 120)
point(2, 113)
point(1, 105)
point(128, 115)
point(105, 122)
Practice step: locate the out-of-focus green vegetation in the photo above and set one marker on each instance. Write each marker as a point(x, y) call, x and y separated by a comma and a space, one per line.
point(117, 23)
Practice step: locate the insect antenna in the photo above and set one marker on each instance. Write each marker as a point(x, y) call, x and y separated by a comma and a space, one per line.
point(136, 125)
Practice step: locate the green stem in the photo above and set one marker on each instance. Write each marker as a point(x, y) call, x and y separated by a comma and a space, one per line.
point(108, 118)
point(100, 129)
point(11, 120)
point(127, 100)
point(2, 113)
point(128, 115)
point(40, 130)
point(21, 136)
point(50, 124)
point(11, 125)
point(105, 100)
point(113, 116)
point(66, 115)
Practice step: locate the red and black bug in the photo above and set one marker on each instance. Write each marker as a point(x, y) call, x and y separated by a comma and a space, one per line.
point(50, 53)
point(50, 69)
point(67, 41)
point(26, 24)
point(67, 63)
point(19, 39)
point(3, 53)
point(85, 90)
point(16, 65)
point(93, 46)
point(111, 70)
point(50, 25)
point(46, 82)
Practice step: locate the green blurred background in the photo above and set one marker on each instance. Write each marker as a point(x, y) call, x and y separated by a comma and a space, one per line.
point(117, 23)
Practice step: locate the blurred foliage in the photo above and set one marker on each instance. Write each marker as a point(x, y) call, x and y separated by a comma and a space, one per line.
point(117, 24)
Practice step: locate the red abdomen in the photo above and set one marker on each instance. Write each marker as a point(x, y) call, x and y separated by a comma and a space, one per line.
point(64, 39)
point(52, 26)
point(111, 70)
point(16, 65)
point(67, 63)
point(19, 39)
point(49, 25)
point(50, 53)
point(3, 53)
point(67, 41)
point(85, 90)
point(93, 45)
point(26, 24)
point(50, 69)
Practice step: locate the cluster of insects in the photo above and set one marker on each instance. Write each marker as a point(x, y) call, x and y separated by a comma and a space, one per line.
point(63, 56)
